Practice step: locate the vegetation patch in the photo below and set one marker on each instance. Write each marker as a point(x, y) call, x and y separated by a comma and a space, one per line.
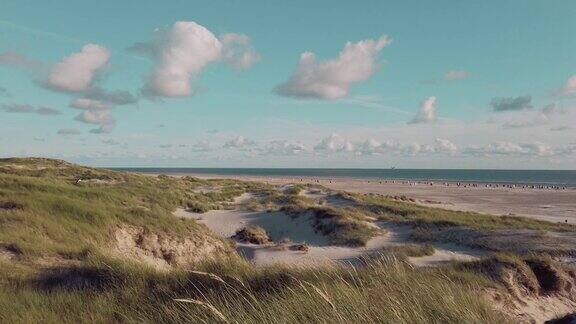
point(346, 227)
point(408, 250)
point(252, 234)
point(302, 247)
point(533, 275)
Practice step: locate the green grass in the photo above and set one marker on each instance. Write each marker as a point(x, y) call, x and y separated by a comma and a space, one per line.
point(408, 250)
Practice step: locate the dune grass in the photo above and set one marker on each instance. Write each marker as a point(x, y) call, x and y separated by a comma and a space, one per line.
point(55, 231)
point(421, 216)
point(384, 291)
point(408, 250)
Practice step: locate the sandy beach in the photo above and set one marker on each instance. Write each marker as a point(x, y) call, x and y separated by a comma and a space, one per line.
point(545, 204)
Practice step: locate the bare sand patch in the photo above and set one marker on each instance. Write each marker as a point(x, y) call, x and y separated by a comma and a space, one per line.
point(299, 230)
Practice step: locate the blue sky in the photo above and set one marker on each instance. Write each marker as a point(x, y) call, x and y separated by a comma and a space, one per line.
point(424, 84)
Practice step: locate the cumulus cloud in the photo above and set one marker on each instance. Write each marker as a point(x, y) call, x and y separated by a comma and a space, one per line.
point(329, 144)
point(413, 149)
point(68, 131)
point(511, 103)
point(336, 144)
point(427, 112)
point(237, 50)
point(239, 142)
point(370, 146)
point(512, 149)
point(331, 79)
point(183, 51)
point(569, 88)
point(97, 117)
point(348, 147)
point(75, 73)
point(453, 75)
point(443, 145)
point(25, 108)
point(283, 147)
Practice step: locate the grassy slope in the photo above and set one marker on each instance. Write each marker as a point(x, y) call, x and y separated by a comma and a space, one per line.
point(47, 214)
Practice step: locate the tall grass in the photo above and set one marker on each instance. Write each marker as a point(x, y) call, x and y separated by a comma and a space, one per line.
point(385, 290)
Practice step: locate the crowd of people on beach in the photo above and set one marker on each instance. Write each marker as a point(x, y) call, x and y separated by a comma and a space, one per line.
point(454, 184)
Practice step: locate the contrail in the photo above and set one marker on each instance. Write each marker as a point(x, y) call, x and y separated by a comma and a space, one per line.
point(48, 34)
point(39, 32)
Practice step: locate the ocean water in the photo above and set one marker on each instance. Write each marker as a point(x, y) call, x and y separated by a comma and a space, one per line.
point(535, 177)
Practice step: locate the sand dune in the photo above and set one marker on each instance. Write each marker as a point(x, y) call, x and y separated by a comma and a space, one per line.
point(299, 230)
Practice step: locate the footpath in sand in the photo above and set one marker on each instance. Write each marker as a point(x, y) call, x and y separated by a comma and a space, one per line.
point(299, 230)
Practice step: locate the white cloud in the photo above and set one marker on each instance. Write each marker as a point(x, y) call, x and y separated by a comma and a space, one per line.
point(76, 72)
point(348, 147)
point(427, 112)
point(283, 147)
point(239, 142)
point(331, 79)
point(328, 144)
point(182, 52)
point(97, 117)
point(89, 104)
point(237, 50)
point(455, 75)
point(538, 149)
point(445, 146)
point(569, 88)
point(513, 149)
point(370, 146)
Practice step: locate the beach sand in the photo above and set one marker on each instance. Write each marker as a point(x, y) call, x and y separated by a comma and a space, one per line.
point(545, 204)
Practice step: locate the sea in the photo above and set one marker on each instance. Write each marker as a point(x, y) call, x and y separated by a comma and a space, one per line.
point(522, 177)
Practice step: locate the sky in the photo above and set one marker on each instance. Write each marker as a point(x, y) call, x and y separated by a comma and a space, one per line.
point(333, 84)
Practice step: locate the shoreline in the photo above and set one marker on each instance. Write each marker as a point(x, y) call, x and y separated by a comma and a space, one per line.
point(554, 205)
point(201, 172)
